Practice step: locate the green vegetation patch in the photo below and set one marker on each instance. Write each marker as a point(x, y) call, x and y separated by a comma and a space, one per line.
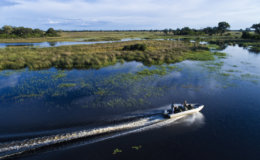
point(116, 151)
point(100, 55)
point(255, 49)
point(60, 74)
point(231, 70)
point(214, 46)
point(199, 56)
point(137, 147)
point(135, 47)
point(66, 85)
point(249, 76)
point(160, 70)
point(148, 72)
point(220, 54)
point(22, 32)
point(225, 74)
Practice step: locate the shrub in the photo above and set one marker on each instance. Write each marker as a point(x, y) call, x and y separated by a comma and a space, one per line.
point(247, 35)
point(135, 47)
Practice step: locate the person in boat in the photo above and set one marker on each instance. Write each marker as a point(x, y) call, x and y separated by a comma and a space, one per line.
point(185, 103)
point(176, 109)
point(172, 108)
point(185, 106)
point(189, 106)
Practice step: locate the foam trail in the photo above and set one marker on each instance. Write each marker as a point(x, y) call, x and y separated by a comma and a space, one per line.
point(18, 147)
point(148, 127)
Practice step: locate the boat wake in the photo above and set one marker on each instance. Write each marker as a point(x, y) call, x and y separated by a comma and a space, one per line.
point(15, 148)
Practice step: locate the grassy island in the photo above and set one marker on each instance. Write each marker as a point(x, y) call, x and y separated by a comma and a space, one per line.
point(99, 55)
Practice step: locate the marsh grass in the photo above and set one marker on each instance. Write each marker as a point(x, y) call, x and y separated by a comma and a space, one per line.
point(214, 46)
point(100, 55)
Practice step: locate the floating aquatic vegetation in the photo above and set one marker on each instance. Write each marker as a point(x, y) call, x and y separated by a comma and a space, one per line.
point(220, 54)
point(225, 74)
point(64, 85)
point(60, 74)
point(116, 151)
point(148, 72)
point(247, 75)
point(137, 147)
point(214, 46)
point(231, 70)
point(11, 72)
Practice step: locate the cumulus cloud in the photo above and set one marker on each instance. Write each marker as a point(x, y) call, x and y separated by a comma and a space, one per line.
point(125, 14)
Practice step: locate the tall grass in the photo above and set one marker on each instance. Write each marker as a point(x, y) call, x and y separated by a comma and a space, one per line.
point(100, 55)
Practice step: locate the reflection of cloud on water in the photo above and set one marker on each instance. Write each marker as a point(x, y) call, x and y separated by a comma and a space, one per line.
point(10, 81)
point(130, 66)
point(173, 75)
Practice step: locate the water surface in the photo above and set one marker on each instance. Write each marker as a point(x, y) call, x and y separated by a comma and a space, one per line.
point(97, 111)
point(57, 44)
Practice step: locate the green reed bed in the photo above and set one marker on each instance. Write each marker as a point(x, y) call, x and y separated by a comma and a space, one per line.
point(100, 55)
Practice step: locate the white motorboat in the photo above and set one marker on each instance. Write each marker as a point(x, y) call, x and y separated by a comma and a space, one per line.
point(179, 110)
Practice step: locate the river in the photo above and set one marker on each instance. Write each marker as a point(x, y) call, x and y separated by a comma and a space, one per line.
point(88, 114)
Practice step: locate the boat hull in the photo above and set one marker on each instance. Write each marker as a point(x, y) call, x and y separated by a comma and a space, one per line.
point(188, 112)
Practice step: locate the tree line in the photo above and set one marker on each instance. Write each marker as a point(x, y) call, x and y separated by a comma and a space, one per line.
point(220, 29)
point(22, 32)
point(247, 34)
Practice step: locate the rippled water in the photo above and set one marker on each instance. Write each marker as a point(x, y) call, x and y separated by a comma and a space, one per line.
point(86, 114)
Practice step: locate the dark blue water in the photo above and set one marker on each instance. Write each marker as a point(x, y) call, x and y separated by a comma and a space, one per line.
point(98, 111)
point(57, 44)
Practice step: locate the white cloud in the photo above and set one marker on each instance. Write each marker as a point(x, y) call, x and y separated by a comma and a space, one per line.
point(125, 14)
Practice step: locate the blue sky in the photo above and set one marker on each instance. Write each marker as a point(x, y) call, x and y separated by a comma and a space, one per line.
point(128, 14)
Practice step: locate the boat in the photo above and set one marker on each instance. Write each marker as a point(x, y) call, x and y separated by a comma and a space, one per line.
point(180, 110)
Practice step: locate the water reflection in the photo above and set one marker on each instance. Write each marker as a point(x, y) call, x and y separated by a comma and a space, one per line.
point(10, 81)
point(56, 44)
point(52, 44)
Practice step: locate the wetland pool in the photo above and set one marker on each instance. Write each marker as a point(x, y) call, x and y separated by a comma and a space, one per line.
point(57, 44)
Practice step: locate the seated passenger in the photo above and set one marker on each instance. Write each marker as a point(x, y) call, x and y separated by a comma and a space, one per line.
point(189, 106)
point(185, 103)
point(176, 109)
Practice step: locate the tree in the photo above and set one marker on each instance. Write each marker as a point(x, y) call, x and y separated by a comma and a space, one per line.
point(51, 32)
point(186, 31)
point(38, 32)
point(246, 35)
point(23, 32)
point(256, 27)
point(208, 30)
point(165, 31)
point(7, 29)
point(223, 27)
point(177, 31)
